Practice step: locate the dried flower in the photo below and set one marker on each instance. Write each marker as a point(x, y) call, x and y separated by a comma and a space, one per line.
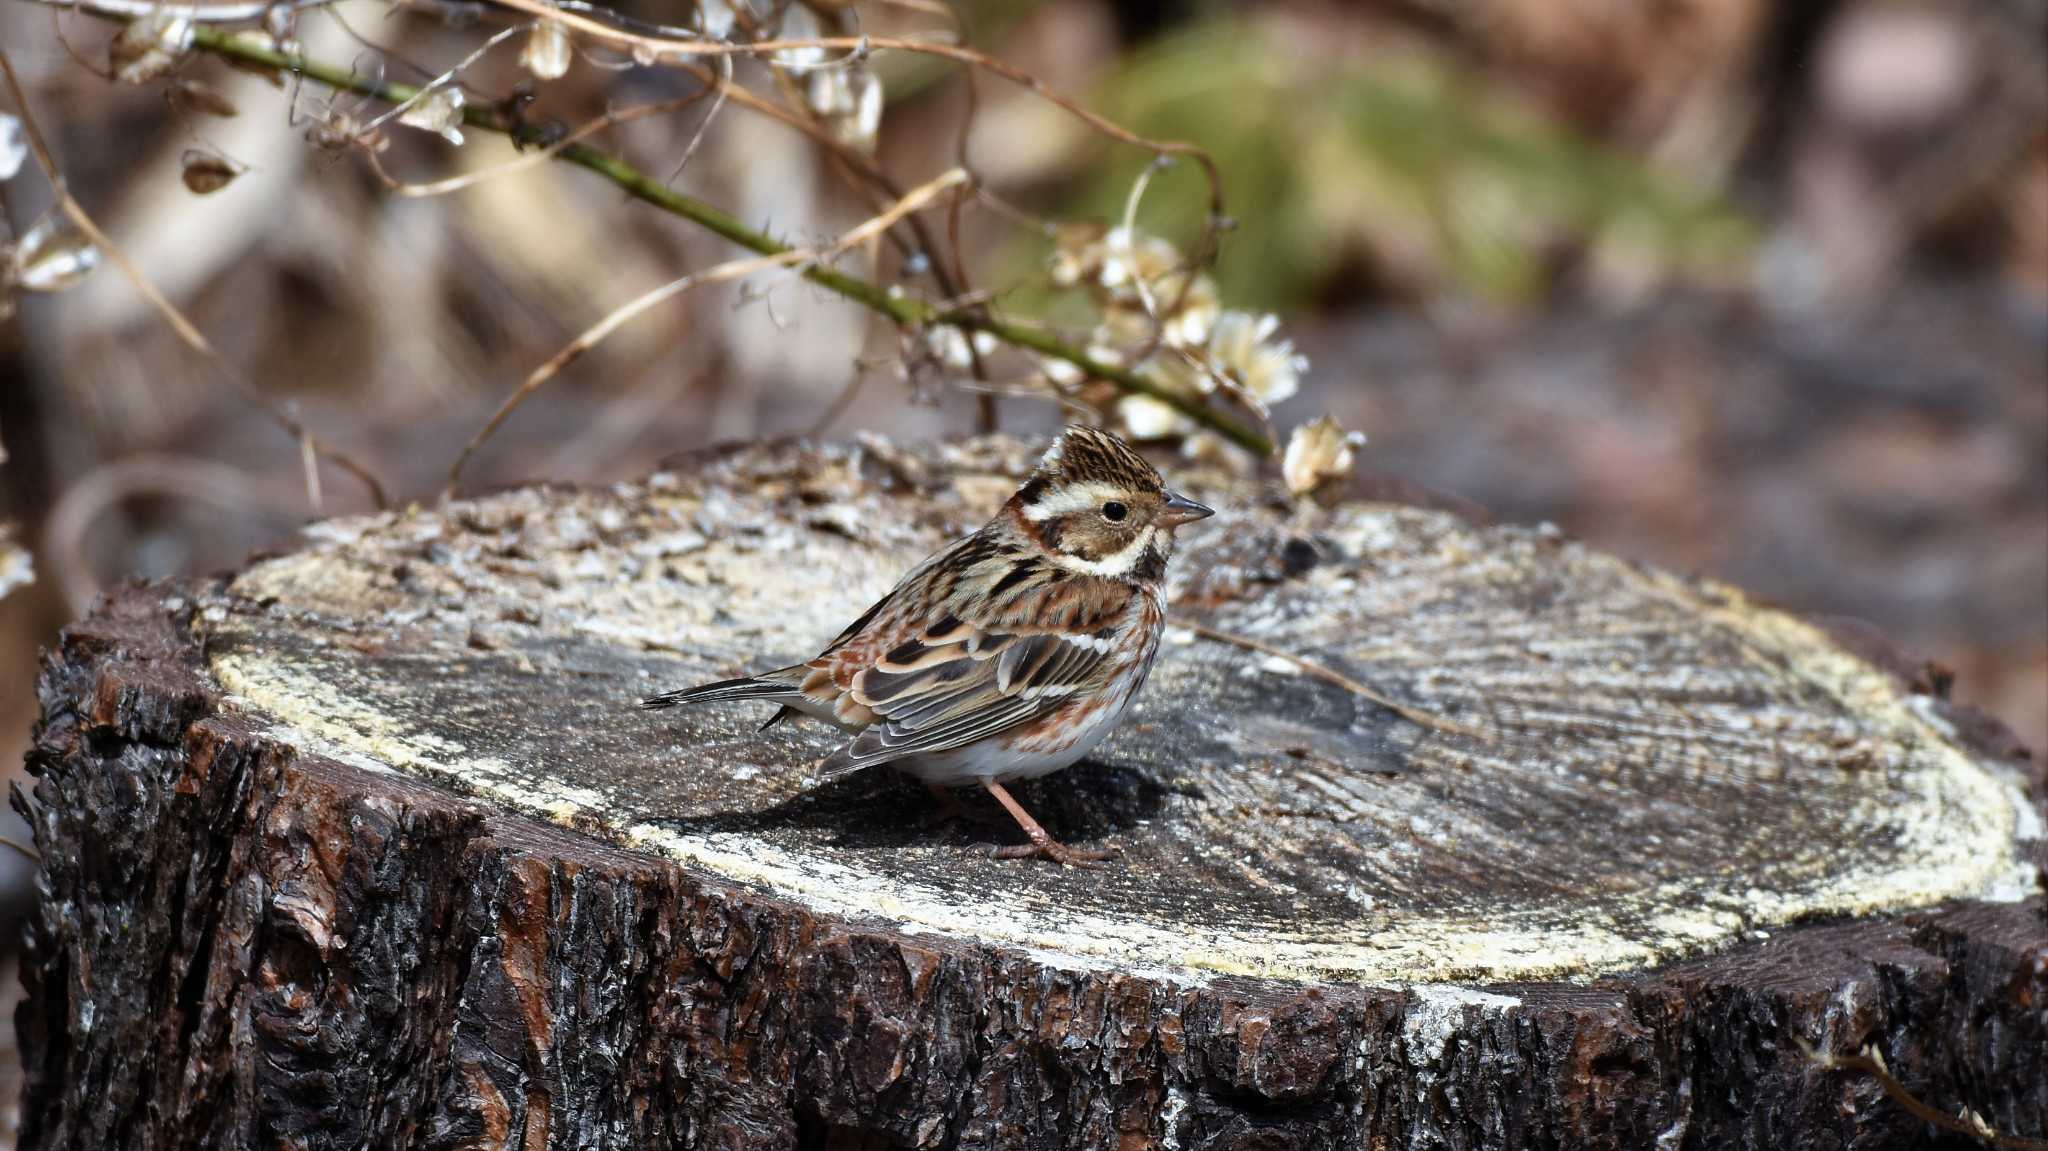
point(13, 146)
point(1130, 259)
point(949, 346)
point(151, 45)
point(799, 23)
point(849, 100)
point(1242, 350)
point(207, 172)
point(1142, 283)
point(1187, 315)
point(1076, 253)
point(547, 52)
point(1319, 451)
point(52, 256)
point(439, 112)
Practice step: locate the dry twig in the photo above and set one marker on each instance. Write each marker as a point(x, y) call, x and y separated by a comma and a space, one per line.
point(1872, 1064)
point(730, 270)
point(185, 329)
point(1330, 675)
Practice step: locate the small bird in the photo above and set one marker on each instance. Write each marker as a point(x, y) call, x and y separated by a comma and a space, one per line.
point(1010, 654)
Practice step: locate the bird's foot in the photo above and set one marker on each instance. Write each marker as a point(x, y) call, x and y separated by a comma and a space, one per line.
point(1056, 851)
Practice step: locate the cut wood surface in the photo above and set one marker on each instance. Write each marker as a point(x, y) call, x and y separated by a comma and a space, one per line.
point(1476, 837)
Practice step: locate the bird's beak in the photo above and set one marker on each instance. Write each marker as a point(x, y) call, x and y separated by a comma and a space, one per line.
point(1180, 509)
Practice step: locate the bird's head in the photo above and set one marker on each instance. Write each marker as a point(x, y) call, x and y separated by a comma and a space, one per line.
point(1096, 506)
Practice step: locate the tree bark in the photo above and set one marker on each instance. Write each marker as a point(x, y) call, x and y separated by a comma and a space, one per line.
point(367, 846)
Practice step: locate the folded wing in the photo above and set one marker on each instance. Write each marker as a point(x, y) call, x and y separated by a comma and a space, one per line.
point(938, 693)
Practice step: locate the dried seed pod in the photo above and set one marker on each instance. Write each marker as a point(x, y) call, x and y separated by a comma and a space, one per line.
point(207, 172)
point(52, 255)
point(548, 51)
point(439, 112)
point(151, 45)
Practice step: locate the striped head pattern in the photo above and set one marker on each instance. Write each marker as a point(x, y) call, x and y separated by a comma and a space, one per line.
point(1096, 507)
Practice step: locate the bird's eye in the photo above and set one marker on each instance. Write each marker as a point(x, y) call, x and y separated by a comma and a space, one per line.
point(1114, 512)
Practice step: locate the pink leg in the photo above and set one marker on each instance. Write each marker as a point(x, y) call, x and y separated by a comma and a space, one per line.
point(1041, 843)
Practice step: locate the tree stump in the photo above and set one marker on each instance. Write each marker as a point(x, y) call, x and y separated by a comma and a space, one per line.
point(369, 846)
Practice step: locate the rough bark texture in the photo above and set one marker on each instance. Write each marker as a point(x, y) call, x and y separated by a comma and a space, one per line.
point(366, 847)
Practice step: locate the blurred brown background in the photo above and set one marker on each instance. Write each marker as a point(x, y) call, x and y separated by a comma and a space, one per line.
point(1753, 289)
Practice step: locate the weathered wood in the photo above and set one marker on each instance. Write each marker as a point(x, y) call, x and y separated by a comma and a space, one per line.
point(367, 846)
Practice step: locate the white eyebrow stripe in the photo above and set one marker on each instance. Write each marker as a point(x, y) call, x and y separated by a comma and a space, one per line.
point(1073, 498)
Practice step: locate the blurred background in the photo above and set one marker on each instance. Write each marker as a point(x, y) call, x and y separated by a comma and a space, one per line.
point(1751, 289)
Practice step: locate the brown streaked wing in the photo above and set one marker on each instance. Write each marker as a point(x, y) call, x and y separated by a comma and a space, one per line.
point(973, 688)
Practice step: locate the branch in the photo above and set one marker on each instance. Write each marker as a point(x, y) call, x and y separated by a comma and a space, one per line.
point(1329, 675)
point(902, 309)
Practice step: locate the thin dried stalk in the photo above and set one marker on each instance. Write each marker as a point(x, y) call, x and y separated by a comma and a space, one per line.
point(1874, 1067)
point(186, 331)
point(731, 270)
point(1330, 675)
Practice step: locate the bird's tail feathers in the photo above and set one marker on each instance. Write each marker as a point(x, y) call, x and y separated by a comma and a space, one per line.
point(746, 687)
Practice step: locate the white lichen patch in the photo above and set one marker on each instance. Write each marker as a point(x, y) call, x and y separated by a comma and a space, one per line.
point(1437, 1012)
point(1662, 768)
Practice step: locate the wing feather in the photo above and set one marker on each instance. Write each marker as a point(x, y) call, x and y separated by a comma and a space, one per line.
point(942, 706)
point(943, 662)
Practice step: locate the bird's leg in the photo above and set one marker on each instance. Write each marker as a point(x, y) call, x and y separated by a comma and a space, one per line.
point(1041, 843)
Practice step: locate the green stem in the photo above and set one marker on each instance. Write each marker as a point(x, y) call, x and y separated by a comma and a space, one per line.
point(905, 310)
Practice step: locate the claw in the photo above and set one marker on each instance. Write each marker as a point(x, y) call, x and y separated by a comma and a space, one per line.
point(1085, 857)
point(1042, 844)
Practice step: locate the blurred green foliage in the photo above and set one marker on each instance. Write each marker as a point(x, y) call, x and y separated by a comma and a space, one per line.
point(1402, 161)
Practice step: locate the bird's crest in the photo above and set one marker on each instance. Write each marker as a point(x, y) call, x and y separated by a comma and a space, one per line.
point(1090, 455)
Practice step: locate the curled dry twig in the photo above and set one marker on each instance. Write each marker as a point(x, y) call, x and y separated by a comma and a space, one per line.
point(181, 477)
point(185, 329)
point(1871, 1063)
point(1330, 675)
point(731, 270)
